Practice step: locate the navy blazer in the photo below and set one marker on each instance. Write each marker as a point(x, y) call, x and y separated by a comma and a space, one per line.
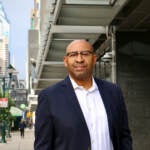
point(60, 124)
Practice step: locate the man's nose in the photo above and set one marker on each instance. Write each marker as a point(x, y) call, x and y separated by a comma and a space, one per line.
point(79, 57)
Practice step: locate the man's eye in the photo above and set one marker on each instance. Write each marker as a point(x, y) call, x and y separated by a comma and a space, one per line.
point(73, 54)
point(85, 53)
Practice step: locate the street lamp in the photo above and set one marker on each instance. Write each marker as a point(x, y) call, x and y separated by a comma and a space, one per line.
point(4, 101)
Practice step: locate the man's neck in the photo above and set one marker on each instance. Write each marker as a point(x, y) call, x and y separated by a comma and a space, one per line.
point(86, 84)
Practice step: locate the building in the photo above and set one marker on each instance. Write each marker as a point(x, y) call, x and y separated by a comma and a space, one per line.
point(33, 45)
point(18, 91)
point(17, 87)
point(33, 49)
point(4, 41)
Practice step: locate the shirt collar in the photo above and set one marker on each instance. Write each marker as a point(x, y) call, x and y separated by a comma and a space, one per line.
point(76, 86)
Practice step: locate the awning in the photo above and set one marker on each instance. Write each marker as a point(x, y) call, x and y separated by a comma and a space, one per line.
point(16, 111)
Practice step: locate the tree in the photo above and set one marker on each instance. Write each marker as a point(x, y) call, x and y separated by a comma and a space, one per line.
point(4, 112)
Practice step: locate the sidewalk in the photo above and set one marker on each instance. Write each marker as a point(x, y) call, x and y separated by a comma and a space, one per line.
point(18, 143)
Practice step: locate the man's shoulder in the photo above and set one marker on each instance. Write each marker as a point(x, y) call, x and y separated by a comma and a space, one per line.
point(106, 84)
point(53, 88)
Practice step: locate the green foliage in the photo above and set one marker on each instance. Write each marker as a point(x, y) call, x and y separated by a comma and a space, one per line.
point(4, 112)
point(0, 93)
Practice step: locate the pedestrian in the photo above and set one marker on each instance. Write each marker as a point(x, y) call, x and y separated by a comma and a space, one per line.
point(22, 127)
point(81, 112)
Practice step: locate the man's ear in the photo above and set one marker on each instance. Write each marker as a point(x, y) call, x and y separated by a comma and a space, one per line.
point(94, 59)
point(65, 61)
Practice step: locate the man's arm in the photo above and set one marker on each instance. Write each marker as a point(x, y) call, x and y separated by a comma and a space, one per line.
point(125, 136)
point(43, 124)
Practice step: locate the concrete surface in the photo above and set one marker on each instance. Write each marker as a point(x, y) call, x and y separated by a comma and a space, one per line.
point(18, 143)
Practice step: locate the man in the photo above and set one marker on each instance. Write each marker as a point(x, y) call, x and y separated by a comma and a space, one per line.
point(22, 126)
point(81, 112)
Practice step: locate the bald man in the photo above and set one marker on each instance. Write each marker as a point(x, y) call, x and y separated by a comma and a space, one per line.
point(81, 112)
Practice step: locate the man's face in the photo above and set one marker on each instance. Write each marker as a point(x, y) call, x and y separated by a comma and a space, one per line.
point(80, 60)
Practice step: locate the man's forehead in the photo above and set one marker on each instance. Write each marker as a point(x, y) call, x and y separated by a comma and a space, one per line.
point(79, 44)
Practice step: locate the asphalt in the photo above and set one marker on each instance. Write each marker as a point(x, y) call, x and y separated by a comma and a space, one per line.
point(18, 143)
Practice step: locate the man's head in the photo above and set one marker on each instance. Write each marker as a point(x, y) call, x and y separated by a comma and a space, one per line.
point(80, 60)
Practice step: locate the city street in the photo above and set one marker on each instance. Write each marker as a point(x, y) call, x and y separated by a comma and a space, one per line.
point(18, 143)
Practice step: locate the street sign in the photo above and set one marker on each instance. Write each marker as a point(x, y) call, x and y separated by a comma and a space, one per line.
point(3, 102)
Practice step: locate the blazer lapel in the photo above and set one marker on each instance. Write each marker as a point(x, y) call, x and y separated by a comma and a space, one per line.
point(107, 103)
point(71, 97)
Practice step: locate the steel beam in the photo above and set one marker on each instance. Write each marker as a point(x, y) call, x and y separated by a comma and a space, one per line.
point(77, 29)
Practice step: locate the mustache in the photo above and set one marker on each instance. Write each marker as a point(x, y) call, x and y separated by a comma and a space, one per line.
point(79, 65)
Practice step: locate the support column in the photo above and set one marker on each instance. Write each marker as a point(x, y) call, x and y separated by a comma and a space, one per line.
point(113, 45)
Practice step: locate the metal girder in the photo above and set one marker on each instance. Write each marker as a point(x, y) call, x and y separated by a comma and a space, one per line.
point(49, 38)
point(91, 2)
point(103, 48)
point(53, 63)
point(77, 29)
point(48, 79)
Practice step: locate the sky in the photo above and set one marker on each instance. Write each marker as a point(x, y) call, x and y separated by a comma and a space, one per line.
point(18, 14)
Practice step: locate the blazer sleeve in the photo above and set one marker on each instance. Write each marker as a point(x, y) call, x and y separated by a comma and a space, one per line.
point(125, 134)
point(43, 124)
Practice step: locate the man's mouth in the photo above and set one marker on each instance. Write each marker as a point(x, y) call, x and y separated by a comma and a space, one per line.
point(78, 68)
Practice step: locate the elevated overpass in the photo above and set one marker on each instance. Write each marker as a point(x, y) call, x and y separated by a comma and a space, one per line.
point(64, 21)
